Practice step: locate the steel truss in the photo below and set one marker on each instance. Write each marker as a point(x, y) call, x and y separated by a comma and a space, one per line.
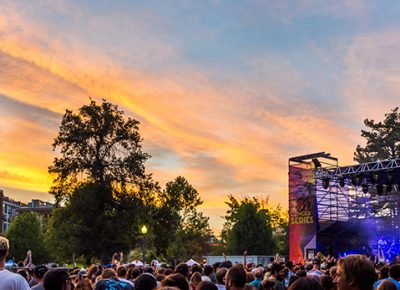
point(354, 194)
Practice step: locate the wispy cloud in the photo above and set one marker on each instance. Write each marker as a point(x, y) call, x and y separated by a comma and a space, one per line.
point(225, 93)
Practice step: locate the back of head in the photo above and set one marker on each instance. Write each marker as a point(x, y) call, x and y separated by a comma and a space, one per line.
point(326, 282)
point(267, 285)
point(358, 270)
point(176, 280)
point(121, 271)
point(196, 278)
point(301, 273)
point(384, 272)
point(275, 268)
point(289, 264)
point(387, 285)
point(206, 285)
point(183, 269)
point(306, 284)
point(195, 268)
point(208, 270)
point(226, 264)
point(4, 248)
point(109, 274)
point(258, 272)
point(55, 279)
point(221, 273)
point(308, 267)
point(39, 271)
point(145, 281)
point(394, 272)
point(236, 277)
point(84, 284)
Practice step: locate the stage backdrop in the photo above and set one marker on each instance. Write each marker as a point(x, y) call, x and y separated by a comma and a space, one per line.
point(302, 211)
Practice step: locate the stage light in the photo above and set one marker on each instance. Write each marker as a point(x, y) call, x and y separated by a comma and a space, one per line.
point(341, 181)
point(316, 162)
point(364, 187)
point(325, 183)
point(379, 189)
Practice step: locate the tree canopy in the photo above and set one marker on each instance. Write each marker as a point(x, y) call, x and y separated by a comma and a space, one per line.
point(176, 219)
point(253, 226)
point(97, 145)
point(25, 233)
point(100, 179)
point(383, 139)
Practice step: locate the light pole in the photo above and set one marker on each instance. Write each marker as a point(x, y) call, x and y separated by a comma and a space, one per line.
point(143, 230)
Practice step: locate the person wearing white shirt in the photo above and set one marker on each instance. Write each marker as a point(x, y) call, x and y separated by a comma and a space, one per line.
point(9, 280)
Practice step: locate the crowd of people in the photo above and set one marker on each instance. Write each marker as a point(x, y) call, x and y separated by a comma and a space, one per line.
point(354, 272)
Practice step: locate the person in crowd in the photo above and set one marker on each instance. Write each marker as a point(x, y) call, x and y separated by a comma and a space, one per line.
point(332, 272)
point(206, 285)
point(387, 285)
point(289, 266)
point(235, 278)
point(315, 272)
point(39, 272)
point(307, 283)
point(57, 279)
point(145, 281)
point(383, 272)
point(249, 277)
point(109, 280)
point(84, 284)
point(267, 285)
point(122, 274)
point(182, 269)
point(220, 278)
point(258, 275)
point(176, 280)
point(28, 260)
point(9, 280)
point(24, 273)
point(326, 282)
point(393, 275)
point(93, 272)
point(207, 273)
point(355, 272)
point(194, 280)
point(276, 276)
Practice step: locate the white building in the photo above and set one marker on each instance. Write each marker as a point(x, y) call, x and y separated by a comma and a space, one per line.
point(9, 211)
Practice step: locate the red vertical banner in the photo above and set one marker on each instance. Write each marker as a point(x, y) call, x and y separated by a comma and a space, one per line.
point(302, 211)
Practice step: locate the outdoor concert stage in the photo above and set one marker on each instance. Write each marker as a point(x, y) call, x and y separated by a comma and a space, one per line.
point(342, 210)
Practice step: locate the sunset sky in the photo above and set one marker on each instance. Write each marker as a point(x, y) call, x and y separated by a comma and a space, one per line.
point(226, 91)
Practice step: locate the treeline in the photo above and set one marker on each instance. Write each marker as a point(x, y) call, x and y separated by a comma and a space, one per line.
point(104, 196)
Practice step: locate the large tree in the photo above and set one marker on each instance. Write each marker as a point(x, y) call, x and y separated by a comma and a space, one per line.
point(383, 139)
point(177, 219)
point(97, 145)
point(101, 179)
point(25, 233)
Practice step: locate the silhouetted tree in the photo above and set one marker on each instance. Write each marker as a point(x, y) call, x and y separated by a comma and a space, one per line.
point(383, 139)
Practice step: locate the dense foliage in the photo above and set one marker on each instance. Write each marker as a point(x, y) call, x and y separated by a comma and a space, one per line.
point(383, 139)
point(253, 226)
point(25, 233)
point(106, 195)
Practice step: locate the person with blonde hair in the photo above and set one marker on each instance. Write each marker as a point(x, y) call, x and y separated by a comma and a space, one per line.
point(9, 280)
point(195, 280)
